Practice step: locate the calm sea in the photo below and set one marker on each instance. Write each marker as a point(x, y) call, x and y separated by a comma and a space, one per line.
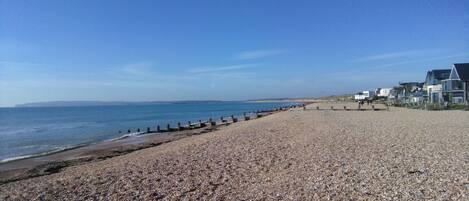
point(32, 131)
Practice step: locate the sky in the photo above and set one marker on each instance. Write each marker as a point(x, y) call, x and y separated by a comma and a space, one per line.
point(221, 50)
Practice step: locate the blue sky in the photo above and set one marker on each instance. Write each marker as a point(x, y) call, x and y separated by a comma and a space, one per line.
point(225, 50)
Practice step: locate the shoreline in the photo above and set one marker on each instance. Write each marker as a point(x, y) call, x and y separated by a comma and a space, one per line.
point(53, 161)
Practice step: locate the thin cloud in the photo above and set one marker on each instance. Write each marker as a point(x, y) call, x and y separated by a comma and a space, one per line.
point(17, 63)
point(138, 69)
point(422, 60)
point(133, 71)
point(393, 55)
point(255, 54)
point(221, 68)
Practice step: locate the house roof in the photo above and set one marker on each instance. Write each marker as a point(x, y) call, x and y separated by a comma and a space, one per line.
point(463, 71)
point(440, 74)
point(419, 84)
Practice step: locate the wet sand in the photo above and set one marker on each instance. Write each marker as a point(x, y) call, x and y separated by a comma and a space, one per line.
point(399, 154)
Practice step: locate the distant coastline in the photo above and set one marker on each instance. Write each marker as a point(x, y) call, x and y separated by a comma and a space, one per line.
point(120, 103)
point(108, 103)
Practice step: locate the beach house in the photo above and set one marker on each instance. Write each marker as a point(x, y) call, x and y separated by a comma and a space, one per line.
point(412, 92)
point(364, 95)
point(383, 92)
point(456, 87)
point(396, 95)
point(433, 84)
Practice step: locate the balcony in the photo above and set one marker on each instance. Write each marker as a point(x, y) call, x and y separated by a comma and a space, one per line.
point(453, 85)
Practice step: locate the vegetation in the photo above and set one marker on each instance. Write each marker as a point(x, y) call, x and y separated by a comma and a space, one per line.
point(434, 106)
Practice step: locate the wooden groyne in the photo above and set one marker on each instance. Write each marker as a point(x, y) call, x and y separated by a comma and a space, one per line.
point(345, 108)
point(211, 124)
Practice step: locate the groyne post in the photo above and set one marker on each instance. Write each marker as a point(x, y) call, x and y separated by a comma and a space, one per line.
point(168, 127)
point(148, 129)
point(158, 129)
point(212, 123)
point(234, 119)
point(138, 130)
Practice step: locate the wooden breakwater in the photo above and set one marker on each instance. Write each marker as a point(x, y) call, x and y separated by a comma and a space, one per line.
point(211, 123)
point(345, 108)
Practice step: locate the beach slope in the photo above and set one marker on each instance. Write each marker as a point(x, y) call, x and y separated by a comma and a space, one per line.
point(398, 154)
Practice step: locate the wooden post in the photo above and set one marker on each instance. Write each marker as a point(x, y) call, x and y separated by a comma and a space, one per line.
point(158, 129)
point(138, 130)
point(168, 127)
point(128, 131)
point(211, 122)
point(148, 129)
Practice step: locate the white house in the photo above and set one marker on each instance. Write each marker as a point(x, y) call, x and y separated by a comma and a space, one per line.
point(433, 84)
point(383, 92)
point(456, 88)
point(364, 95)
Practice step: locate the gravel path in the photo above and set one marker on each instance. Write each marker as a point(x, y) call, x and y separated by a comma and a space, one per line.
point(295, 155)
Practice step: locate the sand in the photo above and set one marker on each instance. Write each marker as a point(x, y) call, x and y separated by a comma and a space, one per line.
point(399, 154)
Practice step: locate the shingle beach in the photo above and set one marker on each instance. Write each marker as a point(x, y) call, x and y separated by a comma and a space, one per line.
point(400, 154)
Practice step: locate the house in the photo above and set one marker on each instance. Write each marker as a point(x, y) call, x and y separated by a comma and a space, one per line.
point(412, 92)
point(417, 97)
point(364, 95)
point(456, 88)
point(383, 92)
point(433, 84)
point(396, 95)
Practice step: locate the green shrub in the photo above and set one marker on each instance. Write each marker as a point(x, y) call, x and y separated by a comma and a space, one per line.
point(434, 106)
point(457, 107)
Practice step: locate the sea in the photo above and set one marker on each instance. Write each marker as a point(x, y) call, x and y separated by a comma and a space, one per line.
point(33, 131)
